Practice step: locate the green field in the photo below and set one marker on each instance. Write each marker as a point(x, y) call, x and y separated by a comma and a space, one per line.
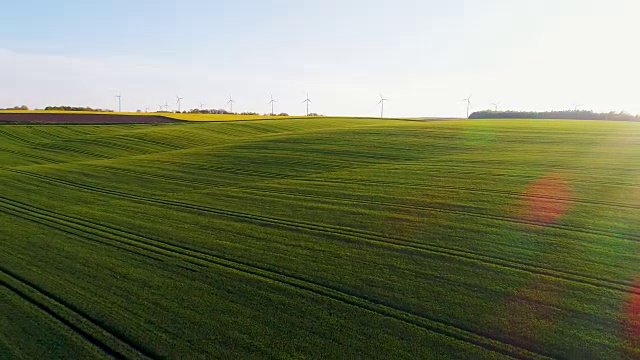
point(170, 115)
point(320, 238)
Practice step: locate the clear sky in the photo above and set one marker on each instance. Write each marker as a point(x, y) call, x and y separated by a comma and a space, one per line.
point(424, 55)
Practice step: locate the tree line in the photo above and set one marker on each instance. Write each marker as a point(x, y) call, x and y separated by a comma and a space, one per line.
point(225, 112)
point(567, 114)
point(75, 108)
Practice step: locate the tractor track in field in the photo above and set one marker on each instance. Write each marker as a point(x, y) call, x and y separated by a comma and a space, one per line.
point(66, 149)
point(588, 231)
point(373, 238)
point(473, 190)
point(31, 156)
point(106, 234)
point(271, 175)
point(306, 179)
point(159, 144)
point(231, 170)
point(15, 138)
point(90, 329)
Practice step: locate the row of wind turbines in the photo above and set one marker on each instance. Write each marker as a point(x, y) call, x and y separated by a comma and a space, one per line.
point(179, 99)
point(272, 102)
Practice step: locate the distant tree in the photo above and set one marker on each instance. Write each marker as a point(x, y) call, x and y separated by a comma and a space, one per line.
point(283, 114)
point(207, 111)
point(74, 108)
point(314, 114)
point(23, 107)
point(568, 114)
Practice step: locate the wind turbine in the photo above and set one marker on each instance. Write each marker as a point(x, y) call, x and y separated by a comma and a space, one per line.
point(146, 109)
point(382, 100)
point(201, 106)
point(308, 101)
point(575, 108)
point(272, 102)
point(166, 106)
point(160, 106)
point(178, 102)
point(119, 96)
point(468, 101)
point(495, 106)
point(231, 102)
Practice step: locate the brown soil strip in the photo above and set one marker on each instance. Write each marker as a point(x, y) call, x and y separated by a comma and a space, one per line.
point(57, 118)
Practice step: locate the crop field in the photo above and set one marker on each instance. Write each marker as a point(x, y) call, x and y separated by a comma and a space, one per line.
point(321, 238)
point(131, 117)
point(42, 116)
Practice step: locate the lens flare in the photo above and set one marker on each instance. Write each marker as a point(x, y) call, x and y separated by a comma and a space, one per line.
point(546, 200)
point(633, 314)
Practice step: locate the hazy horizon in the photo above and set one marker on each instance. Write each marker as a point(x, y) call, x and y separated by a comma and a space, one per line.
point(424, 56)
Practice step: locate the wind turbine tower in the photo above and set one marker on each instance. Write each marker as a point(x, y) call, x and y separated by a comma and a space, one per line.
point(272, 102)
point(468, 101)
point(308, 101)
point(381, 103)
point(119, 96)
point(178, 102)
point(495, 106)
point(231, 102)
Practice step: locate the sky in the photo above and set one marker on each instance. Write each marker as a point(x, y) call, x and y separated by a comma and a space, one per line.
point(423, 55)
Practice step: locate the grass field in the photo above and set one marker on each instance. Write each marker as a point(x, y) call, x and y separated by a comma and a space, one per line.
point(321, 238)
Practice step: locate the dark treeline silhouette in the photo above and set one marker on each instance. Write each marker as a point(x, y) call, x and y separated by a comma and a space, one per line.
point(23, 107)
point(225, 112)
point(75, 108)
point(208, 111)
point(568, 114)
point(219, 112)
